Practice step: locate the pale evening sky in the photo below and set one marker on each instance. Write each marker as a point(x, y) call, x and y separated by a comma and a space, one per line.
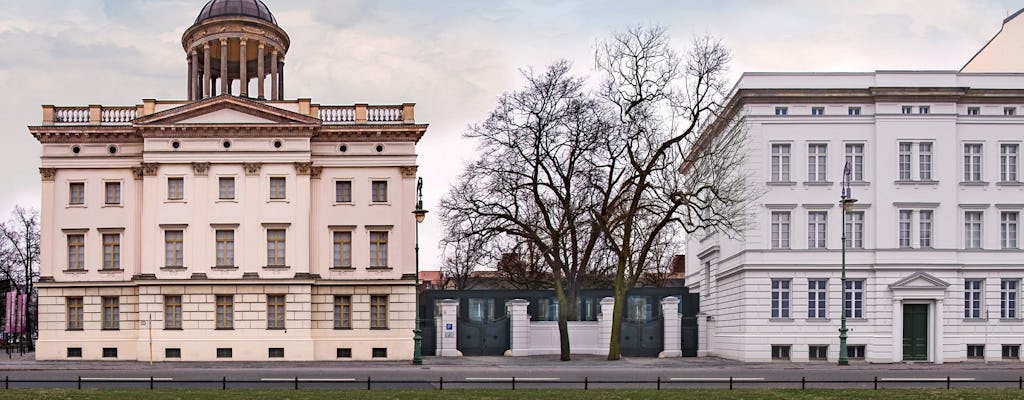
point(451, 58)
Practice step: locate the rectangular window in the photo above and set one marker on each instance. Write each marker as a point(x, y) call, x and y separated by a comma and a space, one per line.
point(226, 188)
point(342, 249)
point(907, 109)
point(172, 352)
point(924, 109)
point(972, 162)
point(74, 352)
point(378, 312)
point(904, 160)
point(379, 352)
point(817, 110)
point(780, 298)
point(344, 352)
point(817, 298)
point(976, 351)
point(780, 229)
point(110, 352)
point(343, 191)
point(112, 193)
point(973, 110)
point(1011, 351)
point(342, 312)
point(1008, 229)
point(379, 191)
point(111, 251)
point(924, 218)
point(275, 311)
point(781, 110)
point(225, 314)
point(76, 313)
point(780, 163)
point(225, 247)
point(853, 111)
point(972, 298)
point(111, 313)
point(853, 304)
point(972, 229)
point(277, 188)
point(780, 352)
point(1009, 110)
point(1008, 156)
point(817, 162)
point(924, 156)
point(855, 229)
point(175, 188)
point(378, 249)
point(1008, 291)
point(816, 228)
point(905, 224)
point(172, 312)
point(223, 352)
point(855, 352)
point(173, 247)
point(76, 252)
point(275, 247)
point(76, 193)
point(855, 156)
point(817, 353)
point(275, 352)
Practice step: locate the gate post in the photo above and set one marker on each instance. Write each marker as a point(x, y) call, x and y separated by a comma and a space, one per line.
point(519, 327)
point(605, 321)
point(447, 331)
point(702, 335)
point(672, 343)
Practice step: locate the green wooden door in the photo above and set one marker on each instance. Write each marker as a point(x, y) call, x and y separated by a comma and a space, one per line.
point(915, 332)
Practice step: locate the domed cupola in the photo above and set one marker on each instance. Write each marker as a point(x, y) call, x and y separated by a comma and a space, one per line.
point(231, 44)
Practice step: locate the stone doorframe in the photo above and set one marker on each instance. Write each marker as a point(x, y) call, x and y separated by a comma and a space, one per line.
point(919, 288)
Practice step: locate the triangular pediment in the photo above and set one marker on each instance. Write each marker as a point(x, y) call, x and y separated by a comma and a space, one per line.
point(225, 109)
point(919, 280)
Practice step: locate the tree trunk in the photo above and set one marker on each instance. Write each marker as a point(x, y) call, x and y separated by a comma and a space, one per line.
point(614, 345)
point(563, 324)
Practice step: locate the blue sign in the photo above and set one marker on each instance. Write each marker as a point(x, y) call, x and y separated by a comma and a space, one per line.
point(448, 327)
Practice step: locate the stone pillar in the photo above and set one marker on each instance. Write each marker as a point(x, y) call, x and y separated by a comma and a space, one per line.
point(280, 78)
point(207, 77)
point(605, 321)
point(447, 329)
point(243, 73)
point(191, 80)
point(938, 343)
point(273, 74)
point(225, 83)
point(672, 346)
point(897, 330)
point(194, 89)
point(261, 74)
point(702, 335)
point(519, 327)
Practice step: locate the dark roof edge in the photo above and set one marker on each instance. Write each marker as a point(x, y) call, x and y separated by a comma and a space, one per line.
point(1012, 16)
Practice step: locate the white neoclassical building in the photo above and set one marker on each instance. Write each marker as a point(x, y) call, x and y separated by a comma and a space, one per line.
point(934, 258)
point(234, 225)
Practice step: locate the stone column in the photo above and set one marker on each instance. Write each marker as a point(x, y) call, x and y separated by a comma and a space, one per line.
point(49, 236)
point(447, 330)
point(207, 77)
point(938, 343)
point(225, 83)
point(280, 78)
point(260, 71)
point(243, 73)
point(897, 330)
point(605, 321)
point(672, 346)
point(273, 74)
point(702, 335)
point(194, 89)
point(191, 80)
point(519, 327)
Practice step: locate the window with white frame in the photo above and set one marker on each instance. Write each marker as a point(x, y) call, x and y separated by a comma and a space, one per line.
point(111, 251)
point(853, 304)
point(924, 223)
point(973, 110)
point(924, 109)
point(924, 156)
point(112, 193)
point(972, 162)
point(817, 111)
point(817, 162)
point(905, 155)
point(780, 229)
point(1008, 156)
point(853, 111)
point(76, 193)
point(225, 243)
point(1008, 229)
point(1009, 110)
point(226, 188)
point(781, 110)
point(906, 220)
point(780, 162)
point(780, 298)
point(855, 156)
point(817, 298)
point(907, 109)
point(175, 188)
point(173, 248)
point(1008, 294)
point(972, 229)
point(379, 191)
point(854, 229)
point(816, 228)
point(342, 249)
point(378, 249)
point(76, 251)
point(275, 247)
point(277, 188)
point(972, 298)
point(343, 191)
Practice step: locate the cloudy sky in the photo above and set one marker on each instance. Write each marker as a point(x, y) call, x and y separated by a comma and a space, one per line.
point(452, 58)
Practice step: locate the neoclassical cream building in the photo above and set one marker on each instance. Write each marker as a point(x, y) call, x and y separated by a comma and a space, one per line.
point(235, 225)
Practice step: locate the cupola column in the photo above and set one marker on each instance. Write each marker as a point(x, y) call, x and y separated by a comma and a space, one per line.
point(191, 80)
point(207, 76)
point(224, 81)
point(243, 76)
point(260, 71)
point(193, 75)
point(280, 78)
point(273, 74)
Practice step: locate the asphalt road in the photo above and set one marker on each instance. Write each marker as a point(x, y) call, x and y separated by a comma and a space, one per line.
point(499, 372)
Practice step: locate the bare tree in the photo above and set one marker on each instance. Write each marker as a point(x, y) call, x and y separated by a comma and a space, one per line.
point(463, 254)
point(19, 256)
point(522, 267)
point(533, 180)
point(663, 101)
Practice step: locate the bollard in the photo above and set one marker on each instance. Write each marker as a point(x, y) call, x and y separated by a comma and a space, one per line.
point(730, 383)
point(296, 383)
point(586, 383)
point(440, 383)
point(947, 382)
point(1020, 383)
point(659, 383)
point(876, 383)
point(224, 383)
point(79, 382)
point(803, 383)
point(513, 383)
point(367, 383)
point(151, 382)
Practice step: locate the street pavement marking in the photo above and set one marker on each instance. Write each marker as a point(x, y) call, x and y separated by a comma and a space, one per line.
point(126, 379)
point(308, 379)
point(517, 379)
point(927, 379)
point(715, 379)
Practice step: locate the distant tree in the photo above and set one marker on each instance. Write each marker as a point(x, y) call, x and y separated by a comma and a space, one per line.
point(523, 268)
point(19, 256)
point(463, 254)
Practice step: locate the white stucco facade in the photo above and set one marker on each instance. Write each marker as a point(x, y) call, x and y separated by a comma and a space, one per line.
point(940, 197)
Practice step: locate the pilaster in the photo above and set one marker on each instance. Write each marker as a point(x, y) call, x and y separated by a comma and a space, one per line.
point(519, 327)
point(672, 343)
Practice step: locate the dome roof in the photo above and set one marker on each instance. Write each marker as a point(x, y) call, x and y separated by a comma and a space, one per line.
point(244, 8)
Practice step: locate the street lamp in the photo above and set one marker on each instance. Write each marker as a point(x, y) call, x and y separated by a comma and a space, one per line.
point(846, 201)
point(417, 337)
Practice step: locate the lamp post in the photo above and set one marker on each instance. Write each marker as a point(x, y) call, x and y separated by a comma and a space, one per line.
point(846, 201)
point(417, 337)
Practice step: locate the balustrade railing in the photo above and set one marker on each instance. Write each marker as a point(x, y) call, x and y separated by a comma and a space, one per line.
point(384, 114)
point(71, 115)
point(337, 114)
point(117, 115)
